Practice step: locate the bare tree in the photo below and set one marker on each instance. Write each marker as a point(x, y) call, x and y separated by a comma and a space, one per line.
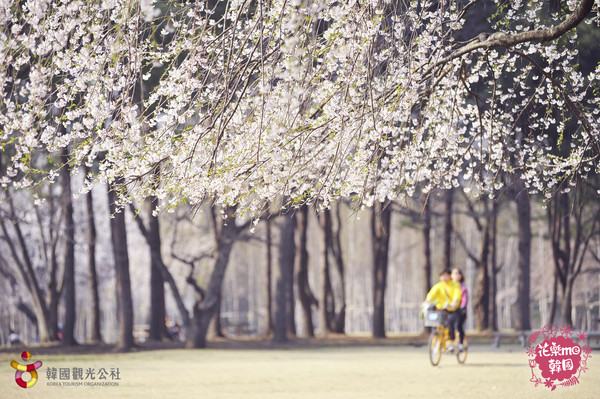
point(572, 222)
point(481, 296)
point(44, 309)
point(206, 305)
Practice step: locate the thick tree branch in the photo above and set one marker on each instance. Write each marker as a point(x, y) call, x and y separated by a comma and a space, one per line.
point(501, 39)
point(469, 253)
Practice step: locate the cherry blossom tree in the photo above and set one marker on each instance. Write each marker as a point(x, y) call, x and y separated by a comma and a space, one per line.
point(307, 100)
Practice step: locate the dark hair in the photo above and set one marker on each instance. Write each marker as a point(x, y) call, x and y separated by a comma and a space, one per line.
point(445, 271)
point(462, 276)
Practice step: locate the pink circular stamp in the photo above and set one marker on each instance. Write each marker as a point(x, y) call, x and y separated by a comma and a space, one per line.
point(557, 360)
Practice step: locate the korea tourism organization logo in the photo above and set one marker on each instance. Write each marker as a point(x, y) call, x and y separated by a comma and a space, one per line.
point(26, 375)
point(26, 368)
point(558, 360)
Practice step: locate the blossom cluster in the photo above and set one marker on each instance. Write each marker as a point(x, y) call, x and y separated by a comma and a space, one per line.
point(296, 101)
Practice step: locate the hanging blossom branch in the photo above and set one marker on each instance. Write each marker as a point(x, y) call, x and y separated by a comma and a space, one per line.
point(247, 103)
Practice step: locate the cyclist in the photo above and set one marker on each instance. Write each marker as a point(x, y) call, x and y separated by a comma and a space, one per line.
point(458, 277)
point(446, 295)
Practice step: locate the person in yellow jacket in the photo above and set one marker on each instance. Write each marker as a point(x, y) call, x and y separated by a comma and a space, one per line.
point(446, 294)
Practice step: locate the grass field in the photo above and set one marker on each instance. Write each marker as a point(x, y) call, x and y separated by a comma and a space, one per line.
point(338, 372)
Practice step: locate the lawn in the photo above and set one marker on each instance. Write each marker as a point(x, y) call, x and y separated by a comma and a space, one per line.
point(332, 372)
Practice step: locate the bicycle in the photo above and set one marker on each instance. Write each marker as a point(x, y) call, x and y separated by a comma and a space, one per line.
point(439, 339)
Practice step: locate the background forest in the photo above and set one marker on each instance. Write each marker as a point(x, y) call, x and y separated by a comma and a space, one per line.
point(332, 256)
point(155, 210)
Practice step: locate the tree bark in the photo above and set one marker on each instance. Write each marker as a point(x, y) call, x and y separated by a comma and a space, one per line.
point(68, 330)
point(95, 336)
point(380, 227)
point(121, 258)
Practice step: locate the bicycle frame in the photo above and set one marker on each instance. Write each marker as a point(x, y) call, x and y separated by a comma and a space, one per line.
point(438, 344)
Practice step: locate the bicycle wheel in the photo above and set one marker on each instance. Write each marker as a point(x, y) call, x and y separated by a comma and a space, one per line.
point(435, 347)
point(461, 356)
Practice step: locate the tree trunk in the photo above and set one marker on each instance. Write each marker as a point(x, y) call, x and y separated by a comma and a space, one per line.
point(206, 308)
point(567, 301)
point(559, 228)
point(481, 297)
point(426, 246)
point(339, 323)
point(522, 317)
point(553, 300)
point(216, 322)
point(426, 249)
point(121, 257)
point(269, 271)
point(333, 316)
point(165, 273)
point(448, 229)
point(69, 252)
point(326, 306)
point(291, 301)
point(380, 227)
point(95, 336)
point(158, 329)
point(287, 250)
point(494, 267)
point(52, 295)
point(304, 293)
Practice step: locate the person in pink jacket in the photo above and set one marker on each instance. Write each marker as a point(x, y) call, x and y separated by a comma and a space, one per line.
point(458, 277)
